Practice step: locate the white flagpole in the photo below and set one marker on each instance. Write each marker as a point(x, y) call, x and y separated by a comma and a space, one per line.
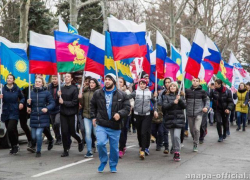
point(1, 100)
point(182, 83)
point(59, 81)
point(156, 83)
point(29, 85)
point(116, 71)
point(141, 68)
point(83, 79)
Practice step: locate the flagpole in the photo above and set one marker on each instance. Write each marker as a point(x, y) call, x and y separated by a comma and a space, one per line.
point(116, 71)
point(1, 100)
point(182, 83)
point(29, 85)
point(83, 79)
point(141, 68)
point(156, 83)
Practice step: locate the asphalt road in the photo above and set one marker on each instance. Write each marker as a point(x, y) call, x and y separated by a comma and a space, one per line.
point(213, 161)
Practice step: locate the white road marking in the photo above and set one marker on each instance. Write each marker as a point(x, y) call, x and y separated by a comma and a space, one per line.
point(67, 166)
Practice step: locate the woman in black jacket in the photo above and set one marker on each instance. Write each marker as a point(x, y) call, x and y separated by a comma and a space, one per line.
point(39, 105)
point(68, 114)
point(174, 119)
point(13, 101)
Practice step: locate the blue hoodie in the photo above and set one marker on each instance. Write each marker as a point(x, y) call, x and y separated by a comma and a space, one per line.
point(109, 98)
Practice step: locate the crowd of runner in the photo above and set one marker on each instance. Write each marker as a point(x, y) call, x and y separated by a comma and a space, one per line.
point(106, 114)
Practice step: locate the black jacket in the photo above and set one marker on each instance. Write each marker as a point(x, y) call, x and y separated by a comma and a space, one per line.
point(98, 110)
point(173, 113)
point(70, 100)
point(222, 99)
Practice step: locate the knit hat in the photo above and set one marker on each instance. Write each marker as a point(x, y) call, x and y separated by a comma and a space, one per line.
point(174, 83)
point(112, 77)
point(143, 80)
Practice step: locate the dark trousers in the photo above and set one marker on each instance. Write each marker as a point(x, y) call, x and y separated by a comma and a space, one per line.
point(165, 137)
point(132, 120)
point(143, 126)
point(124, 134)
point(56, 125)
point(222, 120)
point(11, 126)
point(232, 115)
point(47, 133)
point(23, 122)
point(157, 132)
point(69, 126)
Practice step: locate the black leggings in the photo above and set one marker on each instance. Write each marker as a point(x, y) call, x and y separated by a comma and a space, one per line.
point(124, 133)
point(69, 126)
point(11, 126)
point(23, 122)
point(143, 126)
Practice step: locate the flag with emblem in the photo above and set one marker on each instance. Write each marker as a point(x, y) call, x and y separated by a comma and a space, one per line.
point(11, 63)
point(71, 51)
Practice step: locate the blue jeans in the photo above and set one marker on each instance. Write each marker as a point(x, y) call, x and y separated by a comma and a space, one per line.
point(36, 134)
point(104, 135)
point(88, 130)
point(241, 118)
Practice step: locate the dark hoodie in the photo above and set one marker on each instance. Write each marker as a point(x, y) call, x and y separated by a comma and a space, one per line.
point(70, 100)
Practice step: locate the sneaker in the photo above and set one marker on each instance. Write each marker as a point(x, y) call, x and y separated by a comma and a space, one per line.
point(38, 154)
point(80, 147)
point(182, 145)
point(50, 145)
point(153, 139)
point(147, 151)
point(65, 153)
point(58, 142)
point(220, 139)
point(120, 154)
point(166, 151)
point(172, 150)
point(158, 148)
point(186, 133)
point(195, 149)
point(15, 150)
point(31, 149)
point(113, 169)
point(177, 156)
point(201, 141)
point(228, 133)
point(101, 167)
point(142, 155)
point(89, 155)
point(238, 128)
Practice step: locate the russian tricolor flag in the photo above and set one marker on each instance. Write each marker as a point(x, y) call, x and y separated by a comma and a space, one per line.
point(196, 54)
point(146, 61)
point(124, 41)
point(161, 54)
point(214, 57)
point(209, 71)
point(140, 33)
point(171, 68)
point(42, 54)
point(96, 53)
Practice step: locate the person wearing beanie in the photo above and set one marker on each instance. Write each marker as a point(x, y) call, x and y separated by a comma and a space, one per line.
point(84, 100)
point(143, 115)
point(108, 107)
point(173, 109)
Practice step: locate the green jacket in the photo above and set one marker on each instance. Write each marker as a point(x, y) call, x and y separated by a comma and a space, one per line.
point(85, 100)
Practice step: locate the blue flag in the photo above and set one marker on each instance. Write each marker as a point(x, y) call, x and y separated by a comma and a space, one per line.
point(12, 63)
point(72, 29)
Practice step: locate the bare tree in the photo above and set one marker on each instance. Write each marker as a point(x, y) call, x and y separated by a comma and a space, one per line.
point(24, 14)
